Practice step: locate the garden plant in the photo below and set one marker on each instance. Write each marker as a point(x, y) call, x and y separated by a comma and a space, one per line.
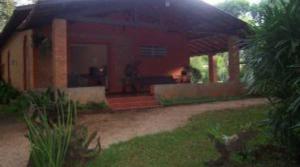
point(273, 62)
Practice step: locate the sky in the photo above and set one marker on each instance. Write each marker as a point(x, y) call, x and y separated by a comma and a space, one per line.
point(213, 2)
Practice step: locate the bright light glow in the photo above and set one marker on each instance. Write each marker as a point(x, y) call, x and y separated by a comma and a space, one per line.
point(22, 2)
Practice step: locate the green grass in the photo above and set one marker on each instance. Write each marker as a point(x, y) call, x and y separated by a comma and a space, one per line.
point(8, 111)
point(16, 109)
point(199, 100)
point(184, 147)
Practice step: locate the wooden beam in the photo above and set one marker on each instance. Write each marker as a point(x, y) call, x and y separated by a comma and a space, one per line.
point(93, 10)
point(113, 22)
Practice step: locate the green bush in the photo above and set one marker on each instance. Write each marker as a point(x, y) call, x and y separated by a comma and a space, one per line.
point(79, 153)
point(18, 105)
point(55, 138)
point(7, 93)
point(274, 62)
point(50, 141)
point(45, 102)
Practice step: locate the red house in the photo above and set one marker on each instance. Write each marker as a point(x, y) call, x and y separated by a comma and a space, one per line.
point(95, 49)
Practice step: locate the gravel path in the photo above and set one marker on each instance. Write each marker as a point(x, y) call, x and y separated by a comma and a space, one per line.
point(114, 127)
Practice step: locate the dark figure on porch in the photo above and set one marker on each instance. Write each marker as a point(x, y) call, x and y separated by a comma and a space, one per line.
point(130, 79)
point(186, 75)
point(99, 75)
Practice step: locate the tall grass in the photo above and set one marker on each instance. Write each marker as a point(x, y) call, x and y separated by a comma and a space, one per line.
point(49, 140)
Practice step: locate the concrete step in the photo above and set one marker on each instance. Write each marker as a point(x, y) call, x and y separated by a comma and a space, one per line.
point(130, 98)
point(122, 108)
point(132, 103)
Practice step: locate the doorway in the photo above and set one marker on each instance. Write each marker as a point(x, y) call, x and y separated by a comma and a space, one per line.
point(88, 65)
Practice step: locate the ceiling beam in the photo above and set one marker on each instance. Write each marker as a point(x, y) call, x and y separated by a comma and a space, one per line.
point(113, 22)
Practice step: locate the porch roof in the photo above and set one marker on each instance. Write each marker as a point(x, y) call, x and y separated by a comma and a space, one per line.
point(207, 27)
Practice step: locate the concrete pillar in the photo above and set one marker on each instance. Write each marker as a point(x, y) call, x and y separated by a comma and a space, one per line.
point(212, 65)
point(59, 53)
point(234, 60)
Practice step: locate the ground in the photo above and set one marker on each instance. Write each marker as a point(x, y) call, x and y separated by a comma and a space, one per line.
point(189, 146)
point(114, 127)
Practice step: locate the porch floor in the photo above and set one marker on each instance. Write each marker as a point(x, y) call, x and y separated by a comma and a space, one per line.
point(133, 102)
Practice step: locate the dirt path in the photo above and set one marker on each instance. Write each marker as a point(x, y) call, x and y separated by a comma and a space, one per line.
point(114, 127)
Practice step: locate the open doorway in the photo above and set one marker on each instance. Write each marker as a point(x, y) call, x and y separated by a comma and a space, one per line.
point(201, 63)
point(88, 65)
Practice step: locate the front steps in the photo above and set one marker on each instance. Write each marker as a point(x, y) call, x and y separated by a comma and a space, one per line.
point(132, 103)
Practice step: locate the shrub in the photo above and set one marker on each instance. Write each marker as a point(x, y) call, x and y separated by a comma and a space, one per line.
point(274, 62)
point(55, 138)
point(46, 103)
point(7, 93)
point(50, 141)
point(79, 152)
point(18, 105)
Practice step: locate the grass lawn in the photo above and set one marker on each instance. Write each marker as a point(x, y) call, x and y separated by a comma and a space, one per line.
point(188, 146)
point(199, 100)
point(6, 115)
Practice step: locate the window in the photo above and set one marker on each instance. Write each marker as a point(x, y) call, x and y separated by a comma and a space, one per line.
point(153, 51)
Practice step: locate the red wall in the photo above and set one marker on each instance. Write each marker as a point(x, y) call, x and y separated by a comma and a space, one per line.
point(124, 48)
point(43, 63)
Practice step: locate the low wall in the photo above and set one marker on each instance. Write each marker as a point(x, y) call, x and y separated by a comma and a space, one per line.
point(171, 91)
point(87, 94)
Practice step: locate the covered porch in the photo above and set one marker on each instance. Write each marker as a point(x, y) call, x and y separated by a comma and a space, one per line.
point(97, 46)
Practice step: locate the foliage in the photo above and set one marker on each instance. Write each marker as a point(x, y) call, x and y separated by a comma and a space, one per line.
point(248, 12)
point(52, 126)
point(17, 102)
point(79, 152)
point(50, 141)
point(45, 102)
point(228, 145)
point(222, 66)
point(6, 10)
point(235, 7)
point(274, 59)
point(196, 75)
point(7, 93)
point(42, 43)
point(187, 145)
point(18, 105)
point(197, 100)
point(201, 64)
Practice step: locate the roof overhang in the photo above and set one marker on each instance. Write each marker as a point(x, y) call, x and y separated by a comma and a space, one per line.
point(19, 14)
point(199, 20)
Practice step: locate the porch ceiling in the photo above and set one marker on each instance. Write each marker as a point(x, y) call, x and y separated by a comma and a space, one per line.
point(209, 45)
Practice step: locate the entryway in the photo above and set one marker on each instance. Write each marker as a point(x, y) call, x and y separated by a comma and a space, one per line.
point(88, 65)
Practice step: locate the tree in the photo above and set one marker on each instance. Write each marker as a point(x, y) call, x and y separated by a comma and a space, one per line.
point(236, 8)
point(251, 13)
point(274, 62)
point(6, 10)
